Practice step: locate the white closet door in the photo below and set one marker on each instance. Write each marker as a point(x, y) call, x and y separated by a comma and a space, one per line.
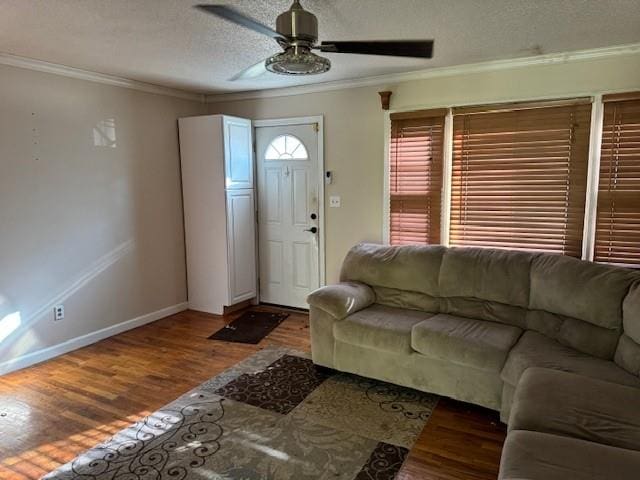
point(238, 155)
point(241, 231)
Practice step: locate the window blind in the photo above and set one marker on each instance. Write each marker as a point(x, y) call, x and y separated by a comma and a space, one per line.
point(618, 215)
point(519, 176)
point(415, 180)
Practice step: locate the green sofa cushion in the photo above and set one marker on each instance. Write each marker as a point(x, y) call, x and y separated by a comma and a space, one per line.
point(628, 355)
point(587, 291)
point(571, 405)
point(582, 336)
point(464, 341)
point(631, 313)
point(536, 350)
point(541, 456)
point(380, 327)
point(588, 338)
point(412, 268)
point(548, 324)
point(484, 310)
point(577, 334)
point(497, 275)
point(394, 297)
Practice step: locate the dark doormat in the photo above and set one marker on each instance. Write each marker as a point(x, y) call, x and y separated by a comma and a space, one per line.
point(250, 327)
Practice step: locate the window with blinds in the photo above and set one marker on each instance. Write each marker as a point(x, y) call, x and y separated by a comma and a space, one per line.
point(415, 180)
point(519, 176)
point(618, 214)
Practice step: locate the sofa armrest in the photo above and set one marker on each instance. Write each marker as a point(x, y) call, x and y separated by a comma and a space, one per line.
point(342, 299)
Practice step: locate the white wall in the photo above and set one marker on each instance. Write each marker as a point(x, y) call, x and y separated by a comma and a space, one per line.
point(90, 207)
point(354, 127)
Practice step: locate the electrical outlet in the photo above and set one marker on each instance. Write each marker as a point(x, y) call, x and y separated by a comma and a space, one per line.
point(58, 312)
point(334, 201)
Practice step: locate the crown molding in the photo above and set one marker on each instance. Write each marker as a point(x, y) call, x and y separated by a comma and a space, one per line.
point(548, 59)
point(77, 73)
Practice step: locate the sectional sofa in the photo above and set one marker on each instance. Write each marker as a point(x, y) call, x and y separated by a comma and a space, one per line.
point(551, 342)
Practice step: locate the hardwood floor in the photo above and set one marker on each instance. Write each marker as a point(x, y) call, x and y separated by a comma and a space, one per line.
point(53, 411)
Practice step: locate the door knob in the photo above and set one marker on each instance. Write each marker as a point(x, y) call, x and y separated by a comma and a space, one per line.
point(312, 230)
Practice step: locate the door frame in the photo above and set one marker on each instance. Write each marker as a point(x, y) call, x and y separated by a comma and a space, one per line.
point(283, 122)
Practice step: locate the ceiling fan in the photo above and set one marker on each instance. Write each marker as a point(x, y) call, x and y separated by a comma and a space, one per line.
point(297, 33)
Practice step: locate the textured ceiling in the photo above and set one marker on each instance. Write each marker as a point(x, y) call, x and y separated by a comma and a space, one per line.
point(166, 42)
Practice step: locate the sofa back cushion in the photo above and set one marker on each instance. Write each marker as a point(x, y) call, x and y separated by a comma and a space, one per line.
point(394, 297)
point(484, 310)
point(586, 291)
point(410, 268)
point(588, 338)
point(571, 332)
point(631, 313)
point(628, 352)
point(628, 355)
point(577, 303)
point(500, 276)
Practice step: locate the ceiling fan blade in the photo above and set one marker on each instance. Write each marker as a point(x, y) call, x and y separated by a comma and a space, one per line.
point(396, 48)
point(232, 15)
point(254, 71)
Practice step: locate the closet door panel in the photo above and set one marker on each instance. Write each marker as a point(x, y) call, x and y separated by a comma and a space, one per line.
point(241, 231)
point(238, 158)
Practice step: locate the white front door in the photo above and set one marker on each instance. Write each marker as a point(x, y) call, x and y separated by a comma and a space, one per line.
point(288, 213)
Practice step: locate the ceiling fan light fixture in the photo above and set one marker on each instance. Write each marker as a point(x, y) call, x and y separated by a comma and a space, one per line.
point(297, 60)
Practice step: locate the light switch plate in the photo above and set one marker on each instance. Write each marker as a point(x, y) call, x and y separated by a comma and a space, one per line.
point(334, 201)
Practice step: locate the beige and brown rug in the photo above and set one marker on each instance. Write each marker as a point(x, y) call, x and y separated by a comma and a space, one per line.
point(273, 416)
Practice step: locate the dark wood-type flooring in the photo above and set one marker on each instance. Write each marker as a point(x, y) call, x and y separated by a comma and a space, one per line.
point(53, 411)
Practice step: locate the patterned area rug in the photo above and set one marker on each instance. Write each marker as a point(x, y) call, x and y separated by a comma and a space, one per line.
point(273, 416)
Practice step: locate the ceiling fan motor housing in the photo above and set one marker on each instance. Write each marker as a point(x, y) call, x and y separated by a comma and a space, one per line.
point(298, 24)
point(299, 30)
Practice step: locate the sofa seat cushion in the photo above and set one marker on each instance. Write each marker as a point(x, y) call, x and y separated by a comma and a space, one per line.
point(535, 350)
point(542, 456)
point(380, 327)
point(571, 405)
point(465, 341)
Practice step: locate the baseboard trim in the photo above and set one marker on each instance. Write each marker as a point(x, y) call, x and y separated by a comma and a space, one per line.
point(48, 353)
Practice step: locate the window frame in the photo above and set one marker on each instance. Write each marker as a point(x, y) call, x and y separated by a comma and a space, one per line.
point(593, 179)
point(417, 116)
point(609, 99)
point(593, 168)
point(445, 197)
point(520, 175)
